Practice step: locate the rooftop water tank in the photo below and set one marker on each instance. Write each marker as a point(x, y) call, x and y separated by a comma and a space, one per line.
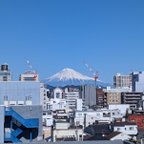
point(4, 67)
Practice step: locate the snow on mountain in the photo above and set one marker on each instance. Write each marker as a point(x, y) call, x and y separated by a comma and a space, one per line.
point(69, 76)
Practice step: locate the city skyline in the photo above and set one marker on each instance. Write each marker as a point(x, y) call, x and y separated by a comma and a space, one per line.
point(52, 35)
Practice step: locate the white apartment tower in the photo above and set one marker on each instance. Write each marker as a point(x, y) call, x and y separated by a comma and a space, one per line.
point(122, 81)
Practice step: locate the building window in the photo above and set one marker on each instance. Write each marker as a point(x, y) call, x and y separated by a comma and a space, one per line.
point(49, 107)
point(4, 78)
point(131, 128)
point(98, 114)
point(79, 114)
point(118, 129)
point(113, 113)
point(5, 98)
point(57, 95)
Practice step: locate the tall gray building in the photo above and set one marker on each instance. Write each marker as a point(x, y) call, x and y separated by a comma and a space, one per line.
point(89, 95)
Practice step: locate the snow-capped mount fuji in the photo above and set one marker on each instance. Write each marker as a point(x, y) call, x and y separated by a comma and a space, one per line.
point(69, 76)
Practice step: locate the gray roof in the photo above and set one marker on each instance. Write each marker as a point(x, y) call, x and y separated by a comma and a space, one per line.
point(84, 142)
point(90, 142)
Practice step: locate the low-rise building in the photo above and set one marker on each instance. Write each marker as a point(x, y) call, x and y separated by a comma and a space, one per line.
point(47, 120)
point(86, 118)
point(129, 128)
point(56, 104)
point(122, 107)
point(70, 134)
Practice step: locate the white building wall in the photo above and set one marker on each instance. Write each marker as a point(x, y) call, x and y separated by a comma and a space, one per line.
point(58, 93)
point(89, 117)
point(63, 125)
point(57, 104)
point(122, 107)
point(43, 96)
point(77, 133)
point(127, 129)
point(79, 104)
point(47, 120)
point(71, 98)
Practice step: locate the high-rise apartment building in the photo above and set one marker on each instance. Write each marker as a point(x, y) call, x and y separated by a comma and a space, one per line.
point(137, 81)
point(122, 81)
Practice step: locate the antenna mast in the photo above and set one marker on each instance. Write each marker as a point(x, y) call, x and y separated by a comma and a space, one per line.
point(95, 73)
point(29, 65)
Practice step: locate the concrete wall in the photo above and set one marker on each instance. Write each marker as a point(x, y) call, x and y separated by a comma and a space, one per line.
point(89, 95)
point(18, 91)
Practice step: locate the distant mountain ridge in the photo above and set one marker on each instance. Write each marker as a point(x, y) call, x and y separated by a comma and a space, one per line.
point(69, 76)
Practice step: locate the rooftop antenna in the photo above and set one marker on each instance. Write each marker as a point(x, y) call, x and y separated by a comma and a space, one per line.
point(30, 67)
point(29, 64)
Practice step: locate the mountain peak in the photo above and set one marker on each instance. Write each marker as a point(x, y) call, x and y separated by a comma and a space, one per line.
point(69, 74)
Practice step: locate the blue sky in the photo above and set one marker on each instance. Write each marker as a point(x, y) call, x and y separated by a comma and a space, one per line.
point(54, 34)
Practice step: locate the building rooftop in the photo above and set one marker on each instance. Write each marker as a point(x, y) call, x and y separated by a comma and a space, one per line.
point(85, 142)
point(111, 135)
point(124, 123)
